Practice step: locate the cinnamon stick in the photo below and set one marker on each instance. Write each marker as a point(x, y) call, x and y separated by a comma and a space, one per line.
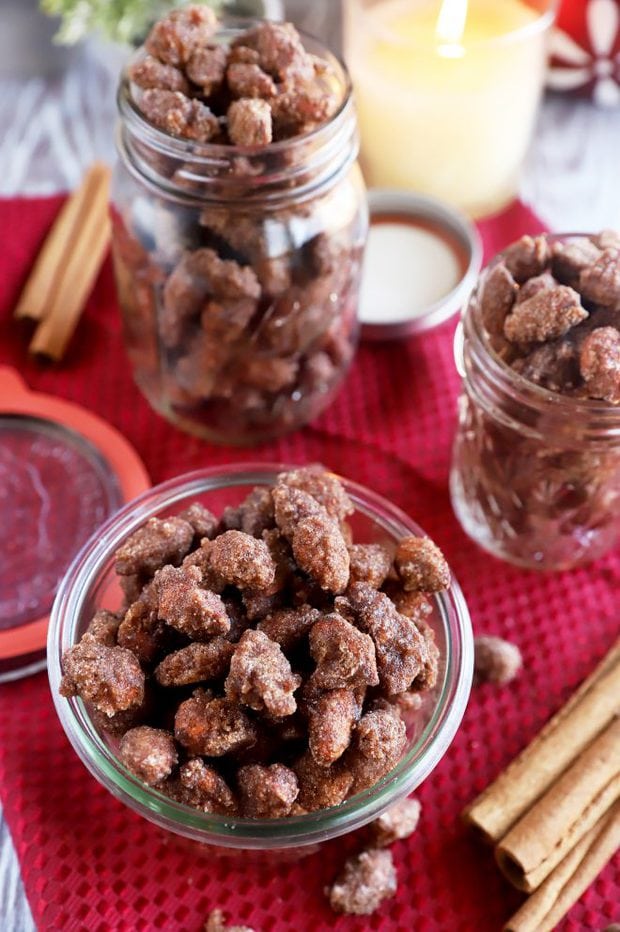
point(38, 292)
point(563, 887)
point(590, 710)
point(78, 275)
point(566, 812)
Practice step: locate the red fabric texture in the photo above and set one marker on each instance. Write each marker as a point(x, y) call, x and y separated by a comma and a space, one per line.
point(89, 863)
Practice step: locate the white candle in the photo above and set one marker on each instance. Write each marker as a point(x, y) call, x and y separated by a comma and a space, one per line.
point(446, 94)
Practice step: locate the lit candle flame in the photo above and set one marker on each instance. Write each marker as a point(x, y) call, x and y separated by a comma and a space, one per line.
point(450, 27)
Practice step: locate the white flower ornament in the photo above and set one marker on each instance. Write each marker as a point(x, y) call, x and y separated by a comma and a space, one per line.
point(574, 66)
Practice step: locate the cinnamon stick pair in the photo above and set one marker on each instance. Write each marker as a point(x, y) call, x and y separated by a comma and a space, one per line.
point(67, 265)
point(558, 792)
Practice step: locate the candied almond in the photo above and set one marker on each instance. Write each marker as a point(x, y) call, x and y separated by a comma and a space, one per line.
point(249, 122)
point(201, 519)
point(207, 68)
point(288, 626)
point(533, 285)
point(600, 281)
point(421, 565)
point(205, 788)
point(179, 115)
point(599, 363)
point(174, 38)
point(266, 792)
point(321, 787)
point(103, 628)
point(378, 741)
point(184, 605)
point(247, 79)
point(495, 659)
point(345, 657)
point(570, 258)
point(156, 543)
point(398, 822)
point(260, 676)
point(370, 563)
point(496, 297)
point(314, 535)
point(195, 663)
point(253, 516)
point(331, 720)
point(241, 560)
point(528, 257)
point(149, 753)
point(545, 316)
point(142, 631)
point(322, 486)
point(400, 649)
point(366, 880)
point(213, 727)
point(108, 677)
point(225, 277)
point(149, 72)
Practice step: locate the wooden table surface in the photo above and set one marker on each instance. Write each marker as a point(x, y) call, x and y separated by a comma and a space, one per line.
point(53, 129)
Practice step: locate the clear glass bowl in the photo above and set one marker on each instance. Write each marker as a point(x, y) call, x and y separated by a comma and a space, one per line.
point(90, 584)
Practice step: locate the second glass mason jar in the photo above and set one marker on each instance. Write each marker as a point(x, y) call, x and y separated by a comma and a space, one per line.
point(535, 474)
point(261, 346)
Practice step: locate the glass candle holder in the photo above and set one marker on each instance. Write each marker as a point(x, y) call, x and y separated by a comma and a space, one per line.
point(447, 93)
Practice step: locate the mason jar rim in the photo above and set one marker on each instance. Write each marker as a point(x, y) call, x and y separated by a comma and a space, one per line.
point(338, 134)
point(604, 419)
point(294, 831)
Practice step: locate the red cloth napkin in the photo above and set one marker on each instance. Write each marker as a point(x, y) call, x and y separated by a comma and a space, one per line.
point(89, 863)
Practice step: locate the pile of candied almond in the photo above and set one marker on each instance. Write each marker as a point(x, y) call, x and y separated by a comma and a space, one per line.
point(264, 664)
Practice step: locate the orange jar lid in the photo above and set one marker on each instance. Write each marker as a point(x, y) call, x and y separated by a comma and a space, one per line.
point(63, 472)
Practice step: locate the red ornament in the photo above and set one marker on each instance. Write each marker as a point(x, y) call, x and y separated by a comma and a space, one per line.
point(585, 50)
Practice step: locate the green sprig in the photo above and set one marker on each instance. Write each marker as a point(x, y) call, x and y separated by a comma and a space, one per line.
point(125, 21)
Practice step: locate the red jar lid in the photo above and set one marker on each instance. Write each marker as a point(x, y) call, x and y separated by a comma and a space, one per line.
point(63, 471)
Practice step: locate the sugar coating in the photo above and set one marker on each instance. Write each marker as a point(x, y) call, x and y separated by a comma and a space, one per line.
point(241, 560)
point(207, 68)
point(314, 535)
point(213, 727)
point(398, 822)
point(201, 519)
point(400, 649)
point(195, 663)
point(253, 516)
point(497, 294)
point(186, 606)
point(158, 542)
point(600, 281)
point(103, 628)
point(330, 723)
point(175, 38)
point(527, 257)
point(149, 72)
point(249, 122)
point(421, 565)
point(379, 739)
point(370, 563)
point(247, 79)
point(267, 792)
point(495, 659)
point(260, 676)
point(288, 626)
point(569, 259)
point(179, 115)
point(321, 787)
point(345, 657)
point(366, 880)
point(109, 677)
point(205, 788)
point(323, 486)
point(599, 364)
point(150, 753)
point(548, 314)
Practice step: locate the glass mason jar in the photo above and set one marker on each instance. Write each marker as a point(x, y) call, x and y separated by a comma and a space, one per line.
point(261, 346)
point(535, 474)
